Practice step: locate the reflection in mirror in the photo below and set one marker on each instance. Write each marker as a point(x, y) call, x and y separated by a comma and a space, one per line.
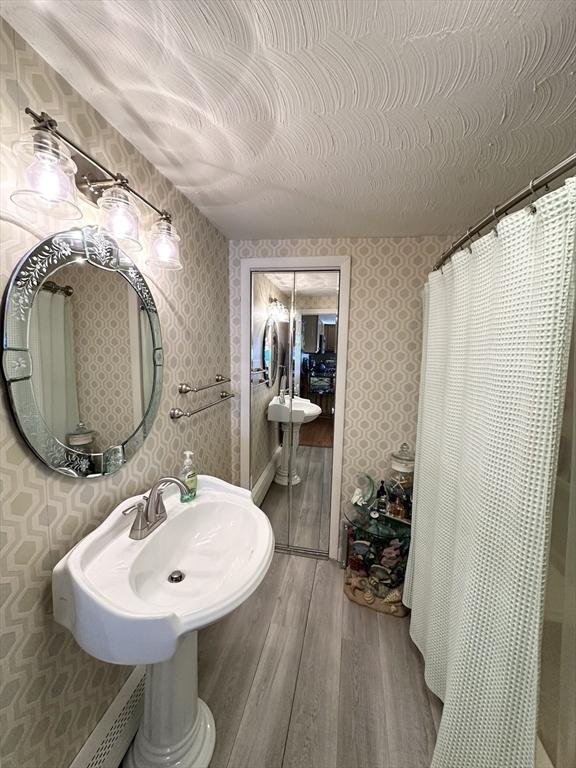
point(82, 353)
point(269, 359)
point(92, 361)
point(316, 296)
point(270, 352)
point(292, 436)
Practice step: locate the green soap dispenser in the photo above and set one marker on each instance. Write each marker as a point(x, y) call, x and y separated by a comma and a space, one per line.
point(188, 475)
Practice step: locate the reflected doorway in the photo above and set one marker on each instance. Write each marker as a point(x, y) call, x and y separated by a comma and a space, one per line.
point(294, 376)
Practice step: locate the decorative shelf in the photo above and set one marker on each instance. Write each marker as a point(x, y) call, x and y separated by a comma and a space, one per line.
point(376, 558)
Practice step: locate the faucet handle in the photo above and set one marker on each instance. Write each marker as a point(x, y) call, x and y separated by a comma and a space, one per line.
point(135, 507)
point(140, 524)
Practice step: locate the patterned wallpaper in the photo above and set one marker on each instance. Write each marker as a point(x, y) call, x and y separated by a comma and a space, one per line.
point(384, 341)
point(316, 301)
point(102, 351)
point(53, 693)
point(265, 435)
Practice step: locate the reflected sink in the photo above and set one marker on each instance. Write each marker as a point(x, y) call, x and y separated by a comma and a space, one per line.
point(113, 593)
point(302, 410)
point(291, 414)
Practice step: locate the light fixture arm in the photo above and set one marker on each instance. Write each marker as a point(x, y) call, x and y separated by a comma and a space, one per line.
point(44, 121)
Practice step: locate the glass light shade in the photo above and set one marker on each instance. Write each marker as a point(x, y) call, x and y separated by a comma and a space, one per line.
point(119, 218)
point(278, 311)
point(164, 246)
point(48, 176)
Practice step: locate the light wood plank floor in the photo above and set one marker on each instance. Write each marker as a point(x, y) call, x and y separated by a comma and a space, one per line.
point(310, 517)
point(300, 677)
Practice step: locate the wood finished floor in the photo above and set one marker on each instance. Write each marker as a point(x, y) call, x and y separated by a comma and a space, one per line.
point(310, 516)
point(319, 432)
point(300, 677)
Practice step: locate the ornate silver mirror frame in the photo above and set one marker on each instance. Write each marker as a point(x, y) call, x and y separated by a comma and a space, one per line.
point(35, 268)
point(271, 337)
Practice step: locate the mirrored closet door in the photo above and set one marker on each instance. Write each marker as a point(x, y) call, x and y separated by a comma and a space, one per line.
point(294, 361)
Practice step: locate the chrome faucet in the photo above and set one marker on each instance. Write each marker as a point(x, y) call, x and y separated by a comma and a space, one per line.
point(151, 512)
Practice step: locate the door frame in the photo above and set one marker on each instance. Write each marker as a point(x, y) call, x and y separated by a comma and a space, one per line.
point(298, 264)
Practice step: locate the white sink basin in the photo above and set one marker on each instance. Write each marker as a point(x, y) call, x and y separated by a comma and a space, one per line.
point(301, 412)
point(113, 593)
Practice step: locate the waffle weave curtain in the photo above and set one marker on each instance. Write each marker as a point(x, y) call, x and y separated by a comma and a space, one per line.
point(496, 344)
point(53, 362)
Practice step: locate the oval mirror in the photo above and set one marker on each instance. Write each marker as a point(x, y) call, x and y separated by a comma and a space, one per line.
point(270, 352)
point(82, 353)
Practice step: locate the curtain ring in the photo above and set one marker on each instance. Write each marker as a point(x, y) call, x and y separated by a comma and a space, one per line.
point(497, 218)
point(469, 236)
point(532, 207)
point(442, 265)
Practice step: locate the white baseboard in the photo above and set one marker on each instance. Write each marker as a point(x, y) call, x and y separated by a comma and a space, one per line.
point(265, 480)
point(109, 741)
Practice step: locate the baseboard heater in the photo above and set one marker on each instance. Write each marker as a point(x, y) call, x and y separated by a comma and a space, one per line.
point(109, 741)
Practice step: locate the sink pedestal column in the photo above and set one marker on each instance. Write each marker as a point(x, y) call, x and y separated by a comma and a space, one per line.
point(287, 456)
point(177, 728)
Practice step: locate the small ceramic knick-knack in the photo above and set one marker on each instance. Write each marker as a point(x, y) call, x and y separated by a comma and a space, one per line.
point(369, 596)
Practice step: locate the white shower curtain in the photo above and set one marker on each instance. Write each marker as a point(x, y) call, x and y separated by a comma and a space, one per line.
point(53, 362)
point(497, 325)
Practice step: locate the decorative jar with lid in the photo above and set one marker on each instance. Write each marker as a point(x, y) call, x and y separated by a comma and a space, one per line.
point(400, 482)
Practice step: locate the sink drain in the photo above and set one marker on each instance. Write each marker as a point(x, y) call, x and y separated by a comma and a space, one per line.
point(175, 577)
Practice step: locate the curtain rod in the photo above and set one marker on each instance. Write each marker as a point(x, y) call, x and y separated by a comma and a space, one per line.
point(537, 183)
point(53, 287)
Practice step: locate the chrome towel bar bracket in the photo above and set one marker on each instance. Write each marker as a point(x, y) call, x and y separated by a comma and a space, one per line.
point(178, 413)
point(184, 388)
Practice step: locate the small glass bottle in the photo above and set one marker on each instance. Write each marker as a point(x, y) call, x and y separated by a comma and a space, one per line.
point(382, 498)
point(189, 476)
point(400, 481)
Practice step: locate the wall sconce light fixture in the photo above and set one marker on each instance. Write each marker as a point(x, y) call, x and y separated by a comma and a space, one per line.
point(278, 311)
point(47, 183)
point(55, 167)
point(164, 244)
point(119, 217)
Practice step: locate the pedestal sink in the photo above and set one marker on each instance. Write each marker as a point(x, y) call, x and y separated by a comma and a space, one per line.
point(126, 602)
point(290, 413)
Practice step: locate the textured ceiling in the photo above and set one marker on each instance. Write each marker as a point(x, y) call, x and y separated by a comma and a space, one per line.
point(325, 118)
point(306, 283)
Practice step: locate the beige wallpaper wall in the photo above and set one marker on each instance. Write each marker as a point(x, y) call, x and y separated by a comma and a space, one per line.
point(265, 434)
point(53, 693)
point(384, 340)
point(305, 301)
point(100, 316)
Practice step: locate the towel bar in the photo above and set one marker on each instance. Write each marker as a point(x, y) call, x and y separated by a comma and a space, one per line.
point(178, 413)
point(183, 389)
